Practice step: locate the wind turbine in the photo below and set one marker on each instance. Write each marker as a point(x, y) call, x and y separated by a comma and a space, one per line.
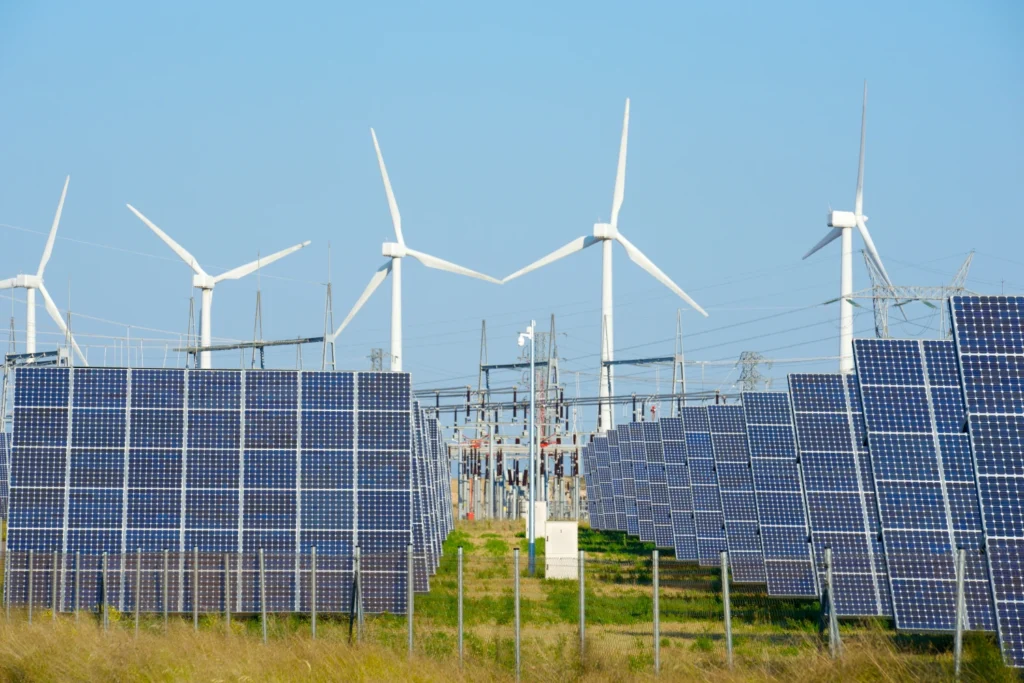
point(606, 234)
point(842, 224)
point(32, 283)
point(204, 282)
point(396, 251)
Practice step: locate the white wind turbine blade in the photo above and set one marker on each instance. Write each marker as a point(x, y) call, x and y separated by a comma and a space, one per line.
point(872, 251)
point(578, 244)
point(53, 230)
point(858, 204)
point(9, 283)
point(440, 264)
point(832, 235)
point(620, 173)
point(54, 312)
point(637, 257)
point(375, 281)
point(242, 271)
point(396, 217)
point(177, 248)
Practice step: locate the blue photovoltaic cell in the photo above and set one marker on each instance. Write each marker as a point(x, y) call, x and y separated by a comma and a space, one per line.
point(779, 491)
point(989, 334)
point(736, 488)
point(618, 491)
point(644, 509)
point(117, 460)
point(839, 491)
point(709, 524)
point(604, 475)
point(628, 480)
point(677, 473)
point(661, 505)
point(927, 496)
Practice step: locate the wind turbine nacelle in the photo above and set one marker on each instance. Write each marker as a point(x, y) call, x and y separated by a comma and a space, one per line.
point(203, 281)
point(842, 219)
point(393, 250)
point(604, 231)
point(28, 281)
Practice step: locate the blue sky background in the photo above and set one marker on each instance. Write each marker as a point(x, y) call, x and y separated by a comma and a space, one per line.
point(244, 127)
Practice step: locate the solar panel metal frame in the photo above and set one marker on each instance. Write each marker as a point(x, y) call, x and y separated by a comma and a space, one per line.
point(709, 522)
point(830, 435)
point(989, 336)
point(736, 487)
point(641, 475)
point(779, 492)
point(924, 479)
point(677, 475)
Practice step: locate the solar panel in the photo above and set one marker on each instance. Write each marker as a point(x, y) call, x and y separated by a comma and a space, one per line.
point(709, 524)
point(989, 334)
point(618, 491)
point(677, 474)
point(736, 487)
point(927, 497)
point(628, 480)
point(5, 464)
point(420, 520)
point(779, 492)
point(604, 474)
point(114, 460)
point(839, 491)
point(644, 508)
point(661, 505)
point(594, 506)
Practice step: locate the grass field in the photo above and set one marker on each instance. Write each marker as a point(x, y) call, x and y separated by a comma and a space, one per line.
point(774, 640)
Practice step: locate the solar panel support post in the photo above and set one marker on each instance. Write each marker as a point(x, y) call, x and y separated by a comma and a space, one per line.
point(961, 611)
point(833, 620)
point(30, 586)
point(726, 606)
point(78, 582)
point(227, 591)
point(53, 584)
point(103, 593)
point(312, 591)
point(460, 607)
point(195, 587)
point(515, 585)
point(656, 609)
point(263, 597)
point(583, 608)
point(138, 587)
point(358, 593)
point(164, 582)
point(410, 586)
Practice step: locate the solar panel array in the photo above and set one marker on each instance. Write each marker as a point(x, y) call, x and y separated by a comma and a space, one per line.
point(115, 460)
point(924, 478)
point(677, 473)
point(839, 491)
point(661, 510)
point(779, 493)
point(709, 524)
point(736, 487)
point(989, 335)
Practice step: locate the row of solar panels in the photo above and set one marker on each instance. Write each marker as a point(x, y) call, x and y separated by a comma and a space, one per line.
point(896, 468)
point(121, 460)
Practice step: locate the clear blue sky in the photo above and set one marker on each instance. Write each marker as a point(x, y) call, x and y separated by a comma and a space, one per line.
point(244, 127)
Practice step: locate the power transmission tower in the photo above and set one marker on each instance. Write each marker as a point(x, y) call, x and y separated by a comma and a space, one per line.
point(328, 358)
point(751, 378)
point(377, 360)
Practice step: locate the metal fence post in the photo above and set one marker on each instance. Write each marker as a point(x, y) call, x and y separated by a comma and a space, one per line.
point(515, 574)
point(78, 582)
point(164, 581)
point(103, 593)
point(195, 587)
point(263, 597)
point(53, 586)
point(312, 591)
point(958, 643)
point(583, 607)
point(227, 591)
point(657, 611)
point(460, 608)
point(138, 587)
point(726, 606)
point(410, 602)
point(359, 593)
point(833, 621)
point(30, 596)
